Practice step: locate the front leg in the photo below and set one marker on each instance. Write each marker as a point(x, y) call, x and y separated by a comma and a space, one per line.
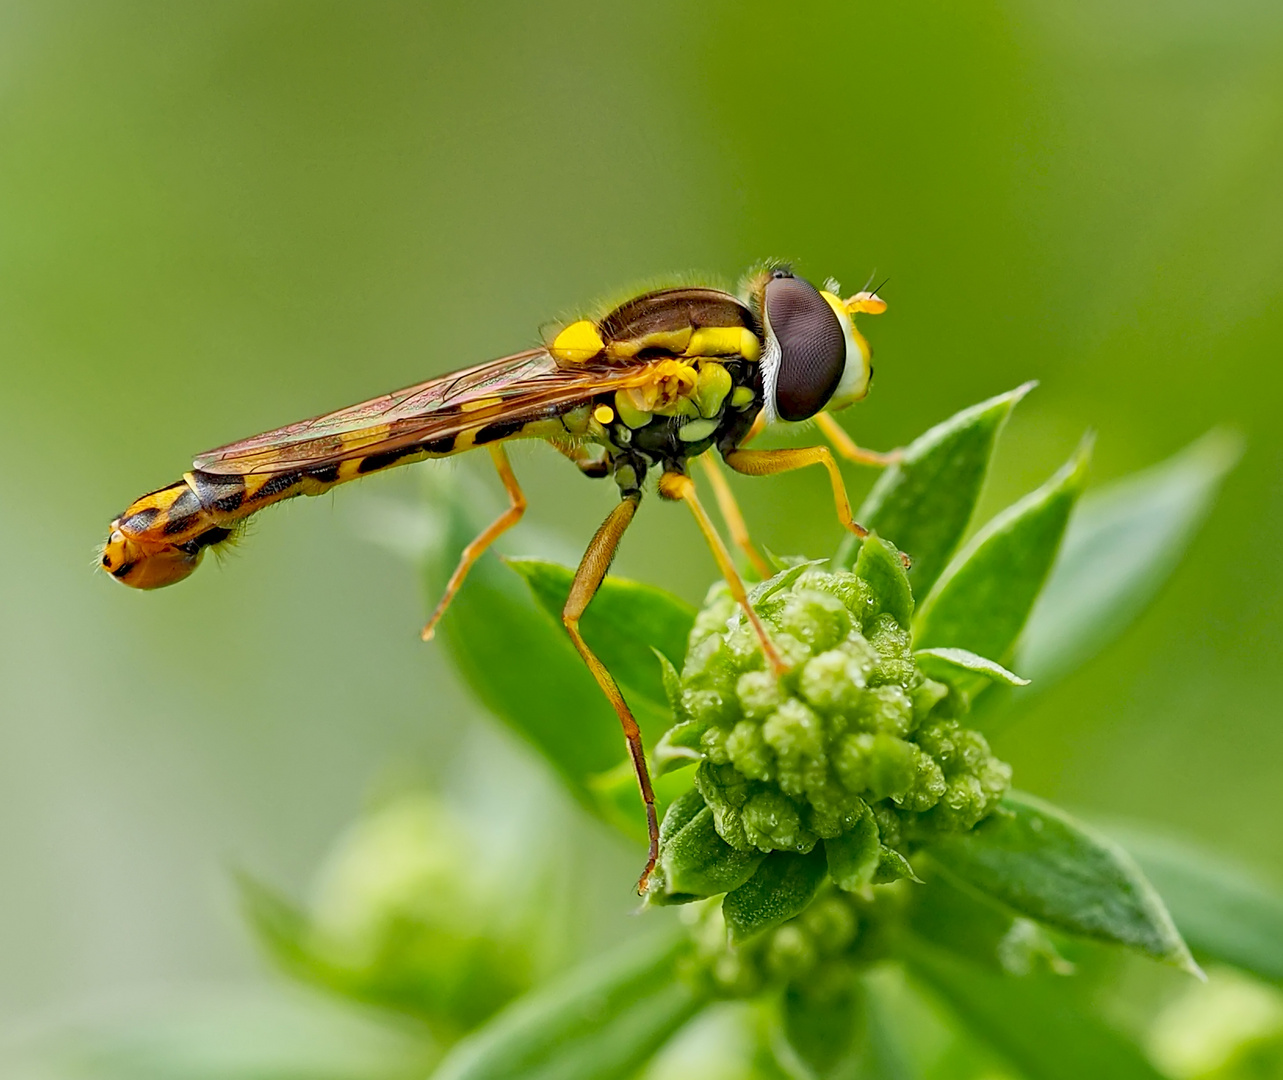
point(770, 462)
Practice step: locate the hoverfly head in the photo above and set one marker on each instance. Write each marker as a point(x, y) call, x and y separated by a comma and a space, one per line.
point(814, 356)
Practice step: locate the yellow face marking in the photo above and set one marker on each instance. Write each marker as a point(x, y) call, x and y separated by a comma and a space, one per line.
point(865, 303)
point(603, 414)
point(578, 343)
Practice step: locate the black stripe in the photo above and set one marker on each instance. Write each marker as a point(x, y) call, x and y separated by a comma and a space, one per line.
point(215, 535)
point(278, 484)
point(326, 474)
point(383, 459)
point(501, 430)
point(141, 521)
point(122, 569)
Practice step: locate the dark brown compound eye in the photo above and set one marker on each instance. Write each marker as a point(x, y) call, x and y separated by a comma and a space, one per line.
point(812, 346)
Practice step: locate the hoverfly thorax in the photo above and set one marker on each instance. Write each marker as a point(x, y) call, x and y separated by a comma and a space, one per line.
point(813, 357)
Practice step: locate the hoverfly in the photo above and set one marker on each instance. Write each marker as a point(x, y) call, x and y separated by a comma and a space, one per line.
point(652, 386)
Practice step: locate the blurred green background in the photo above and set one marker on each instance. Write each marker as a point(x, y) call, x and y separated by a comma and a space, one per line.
point(218, 218)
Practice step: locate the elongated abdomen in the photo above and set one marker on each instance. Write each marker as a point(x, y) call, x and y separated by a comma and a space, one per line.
point(161, 538)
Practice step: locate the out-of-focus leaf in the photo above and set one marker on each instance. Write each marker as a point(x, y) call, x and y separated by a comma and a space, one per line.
point(1122, 544)
point(695, 862)
point(1223, 912)
point(783, 885)
point(598, 1022)
point(625, 625)
point(280, 927)
point(985, 595)
point(944, 663)
point(924, 502)
point(820, 1024)
point(1034, 1021)
point(526, 672)
point(854, 856)
point(1039, 862)
point(235, 1034)
point(880, 565)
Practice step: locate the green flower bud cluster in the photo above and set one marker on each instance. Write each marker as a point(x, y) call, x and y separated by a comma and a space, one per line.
point(853, 729)
point(823, 944)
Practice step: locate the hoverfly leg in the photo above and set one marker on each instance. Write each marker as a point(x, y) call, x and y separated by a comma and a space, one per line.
point(771, 462)
point(846, 446)
point(731, 515)
point(492, 532)
point(588, 578)
point(679, 487)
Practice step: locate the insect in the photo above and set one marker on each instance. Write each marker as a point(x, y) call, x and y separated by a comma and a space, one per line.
point(650, 387)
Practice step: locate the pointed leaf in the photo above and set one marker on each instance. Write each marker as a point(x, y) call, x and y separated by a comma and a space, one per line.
point(626, 623)
point(1122, 544)
point(879, 563)
point(854, 856)
point(924, 502)
point(1034, 1022)
point(1039, 862)
point(1222, 910)
point(695, 862)
point(985, 595)
point(947, 663)
point(783, 885)
point(601, 1021)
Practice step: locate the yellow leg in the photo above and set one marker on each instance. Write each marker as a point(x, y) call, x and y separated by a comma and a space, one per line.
point(769, 462)
point(846, 446)
point(676, 486)
point(731, 515)
point(474, 551)
point(588, 578)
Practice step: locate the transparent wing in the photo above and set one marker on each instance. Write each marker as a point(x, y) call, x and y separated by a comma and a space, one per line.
point(519, 388)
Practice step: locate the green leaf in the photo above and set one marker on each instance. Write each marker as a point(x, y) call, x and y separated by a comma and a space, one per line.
point(854, 856)
point(601, 1021)
point(925, 501)
point(880, 565)
point(820, 1023)
point(528, 674)
point(1221, 909)
point(625, 625)
point(783, 885)
point(985, 595)
point(1032, 1021)
point(1041, 863)
point(695, 862)
point(945, 664)
point(1122, 544)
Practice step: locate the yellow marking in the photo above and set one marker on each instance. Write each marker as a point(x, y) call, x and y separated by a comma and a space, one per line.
point(719, 341)
point(628, 412)
point(480, 403)
point(603, 414)
point(666, 390)
point(466, 439)
point(673, 341)
point(350, 469)
point(578, 343)
point(865, 303)
point(711, 387)
point(741, 397)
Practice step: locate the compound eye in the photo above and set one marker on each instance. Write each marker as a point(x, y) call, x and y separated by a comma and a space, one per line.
point(812, 347)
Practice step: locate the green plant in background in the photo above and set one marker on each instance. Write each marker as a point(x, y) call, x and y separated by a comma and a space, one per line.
point(829, 835)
